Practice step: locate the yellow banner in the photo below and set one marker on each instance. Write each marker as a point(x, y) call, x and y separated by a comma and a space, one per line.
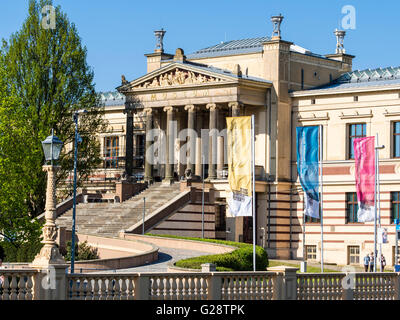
point(239, 155)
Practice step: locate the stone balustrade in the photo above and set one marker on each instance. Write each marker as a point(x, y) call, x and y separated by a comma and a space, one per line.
point(350, 286)
point(17, 284)
point(279, 284)
point(172, 286)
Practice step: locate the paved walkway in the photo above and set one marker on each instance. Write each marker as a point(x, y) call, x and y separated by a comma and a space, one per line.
point(165, 257)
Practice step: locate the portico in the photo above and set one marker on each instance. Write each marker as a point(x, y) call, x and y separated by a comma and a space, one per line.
point(185, 106)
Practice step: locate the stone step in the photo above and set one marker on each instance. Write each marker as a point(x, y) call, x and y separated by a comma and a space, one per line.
point(110, 218)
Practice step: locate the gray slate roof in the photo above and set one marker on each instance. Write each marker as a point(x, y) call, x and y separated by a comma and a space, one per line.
point(112, 98)
point(233, 47)
point(364, 78)
point(368, 75)
point(230, 48)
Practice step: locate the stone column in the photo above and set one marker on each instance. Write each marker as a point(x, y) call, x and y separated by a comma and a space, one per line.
point(212, 173)
point(199, 125)
point(235, 108)
point(220, 155)
point(149, 158)
point(129, 142)
point(199, 165)
point(192, 139)
point(170, 146)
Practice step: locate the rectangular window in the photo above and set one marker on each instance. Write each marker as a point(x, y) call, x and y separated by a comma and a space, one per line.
point(139, 150)
point(311, 219)
point(351, 207)
point(395, 206)
point(111, 148)
point(353, 254)
point(311, 252)
point(396, 139)
point(358, 130)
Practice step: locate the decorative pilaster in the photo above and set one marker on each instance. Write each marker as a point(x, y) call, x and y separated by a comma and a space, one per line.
point(191, 155)
point(149, 158)
point(49, 254)
point(212, 174)
point(169, 163)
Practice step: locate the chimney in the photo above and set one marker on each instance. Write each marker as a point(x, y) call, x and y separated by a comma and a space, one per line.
point(179, 55)
point(276, 33)
point(155, 59)
point(340, 52)
point(159, 38)
point(339, 41)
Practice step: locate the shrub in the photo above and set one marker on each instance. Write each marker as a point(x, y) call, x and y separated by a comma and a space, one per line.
point(237, 260)
point(82, 252)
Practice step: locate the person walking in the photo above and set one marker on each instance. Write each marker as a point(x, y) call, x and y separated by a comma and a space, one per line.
point(383, 262)
point(366, 262)
point(371, 262)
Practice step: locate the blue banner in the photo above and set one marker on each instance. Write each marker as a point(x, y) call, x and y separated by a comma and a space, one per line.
point(307, 167)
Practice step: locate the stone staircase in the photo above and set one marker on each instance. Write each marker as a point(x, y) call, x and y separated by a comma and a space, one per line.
point(108, 219)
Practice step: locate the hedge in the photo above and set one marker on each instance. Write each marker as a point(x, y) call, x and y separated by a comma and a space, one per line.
point(240, 259)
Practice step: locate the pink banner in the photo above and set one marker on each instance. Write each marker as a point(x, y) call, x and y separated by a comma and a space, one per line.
point(364, 155)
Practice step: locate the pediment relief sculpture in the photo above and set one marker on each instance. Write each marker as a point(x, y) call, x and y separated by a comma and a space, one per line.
point(177, 77)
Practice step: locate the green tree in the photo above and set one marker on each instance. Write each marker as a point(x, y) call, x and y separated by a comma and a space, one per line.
point(15, 143)
point(45, 79)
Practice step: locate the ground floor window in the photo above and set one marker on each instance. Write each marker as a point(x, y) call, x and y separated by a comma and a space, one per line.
point(311, 252)
point(353, 254)
point(111, 148)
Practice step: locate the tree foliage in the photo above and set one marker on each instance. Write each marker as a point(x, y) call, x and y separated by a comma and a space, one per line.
point(44, 79)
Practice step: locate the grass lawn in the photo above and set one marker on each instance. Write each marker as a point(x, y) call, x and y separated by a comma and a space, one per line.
point(297, 265)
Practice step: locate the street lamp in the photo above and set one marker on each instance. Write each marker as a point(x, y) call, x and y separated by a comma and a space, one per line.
point(78, 139)
point(50, 254)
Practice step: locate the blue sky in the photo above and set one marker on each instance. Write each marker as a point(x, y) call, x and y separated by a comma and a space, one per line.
point(118, 33)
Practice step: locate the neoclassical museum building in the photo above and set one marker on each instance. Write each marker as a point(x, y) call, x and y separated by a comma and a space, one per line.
point(284, 86)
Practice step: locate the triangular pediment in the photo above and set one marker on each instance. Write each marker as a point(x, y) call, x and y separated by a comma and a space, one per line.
point(179, 74)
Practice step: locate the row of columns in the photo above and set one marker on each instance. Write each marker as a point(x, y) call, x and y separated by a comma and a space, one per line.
point(194, 144)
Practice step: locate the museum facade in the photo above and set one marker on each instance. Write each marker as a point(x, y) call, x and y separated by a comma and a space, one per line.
point(284, 86)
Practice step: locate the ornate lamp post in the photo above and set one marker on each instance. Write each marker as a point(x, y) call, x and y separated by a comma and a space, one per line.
point(49, 254)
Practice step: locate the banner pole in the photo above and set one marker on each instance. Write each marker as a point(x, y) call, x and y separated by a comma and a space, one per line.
point(375, 207)
point(378, 201)
point(321, 197)
point(202, 197)
point(253, 191)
